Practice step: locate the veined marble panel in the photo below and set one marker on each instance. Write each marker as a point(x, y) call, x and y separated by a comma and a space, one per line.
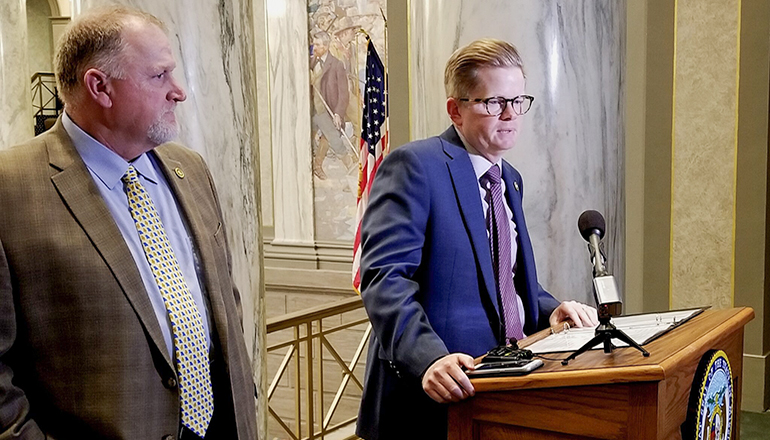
point(213, 45)
point(16, 123)
point(570, 151)
point(290, 121)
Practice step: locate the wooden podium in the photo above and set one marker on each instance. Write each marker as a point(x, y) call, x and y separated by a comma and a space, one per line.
point(621, 395)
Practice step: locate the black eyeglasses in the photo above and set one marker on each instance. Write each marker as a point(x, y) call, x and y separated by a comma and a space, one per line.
point(496, 105)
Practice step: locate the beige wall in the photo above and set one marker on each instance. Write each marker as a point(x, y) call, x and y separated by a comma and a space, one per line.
point(64, 6)
point(704, 148)
point(752, 249)
point(696, 177)
point(40, 40)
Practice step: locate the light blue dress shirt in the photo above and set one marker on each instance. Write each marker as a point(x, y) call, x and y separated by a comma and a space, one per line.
point(480, 166)
point(107, 168)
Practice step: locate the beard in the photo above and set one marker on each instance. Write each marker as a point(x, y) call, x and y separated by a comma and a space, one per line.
point(160, 131)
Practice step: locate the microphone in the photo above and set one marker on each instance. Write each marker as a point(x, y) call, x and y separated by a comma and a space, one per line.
point(591, 226)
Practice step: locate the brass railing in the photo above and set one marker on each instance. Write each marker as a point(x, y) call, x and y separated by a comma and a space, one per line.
point(45, 100)
point(303, 350)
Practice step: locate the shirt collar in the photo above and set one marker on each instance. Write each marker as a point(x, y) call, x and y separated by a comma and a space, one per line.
point(480, 163)
point(107, 165)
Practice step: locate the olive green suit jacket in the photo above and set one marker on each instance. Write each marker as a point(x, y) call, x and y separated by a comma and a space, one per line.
point(81, 351)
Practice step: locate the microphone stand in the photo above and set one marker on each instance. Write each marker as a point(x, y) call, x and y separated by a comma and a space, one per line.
point(605, 333)
point(607, 306)
point(591, 226)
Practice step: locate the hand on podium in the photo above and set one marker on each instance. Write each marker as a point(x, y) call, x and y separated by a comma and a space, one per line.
point(445, 381)
point(580, 314)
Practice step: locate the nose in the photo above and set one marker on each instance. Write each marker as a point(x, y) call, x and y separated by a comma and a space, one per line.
point(177, 93)
point(508, 112)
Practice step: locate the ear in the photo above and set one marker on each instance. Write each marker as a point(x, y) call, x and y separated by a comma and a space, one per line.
point(98, 87)
point(453, 110)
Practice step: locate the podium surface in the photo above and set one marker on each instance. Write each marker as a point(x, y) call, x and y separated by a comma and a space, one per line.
point(621, 395)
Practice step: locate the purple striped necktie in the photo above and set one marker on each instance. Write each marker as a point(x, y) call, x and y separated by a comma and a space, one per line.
point(499, 227)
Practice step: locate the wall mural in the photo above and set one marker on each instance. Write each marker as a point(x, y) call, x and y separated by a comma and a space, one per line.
point(337, 35)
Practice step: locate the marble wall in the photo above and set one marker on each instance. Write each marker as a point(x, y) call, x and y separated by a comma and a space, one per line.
point(16, 123)
point(570, 152)
point(289, 79)
point(213, 43)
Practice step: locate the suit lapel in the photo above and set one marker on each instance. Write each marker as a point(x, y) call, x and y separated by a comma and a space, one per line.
point(188, 201)
point(469, 202)
point(78, 191)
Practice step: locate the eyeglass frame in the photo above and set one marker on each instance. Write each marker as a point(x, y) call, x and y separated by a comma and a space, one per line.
point(507, 100)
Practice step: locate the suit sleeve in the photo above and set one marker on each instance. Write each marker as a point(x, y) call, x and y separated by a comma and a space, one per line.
point(546, 303)
point(15, 421)
point(393, 234)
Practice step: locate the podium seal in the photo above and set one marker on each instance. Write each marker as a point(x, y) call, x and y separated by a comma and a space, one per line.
point(710, 412)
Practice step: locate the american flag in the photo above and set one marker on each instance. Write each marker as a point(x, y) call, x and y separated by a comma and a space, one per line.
point(374, 145)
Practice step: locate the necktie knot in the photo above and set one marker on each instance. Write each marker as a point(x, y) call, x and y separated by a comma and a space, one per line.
point(131, 175)
point(492, 176)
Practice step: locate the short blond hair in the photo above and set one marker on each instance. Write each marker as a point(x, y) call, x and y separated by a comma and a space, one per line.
point(94, 40)
point(460, 74)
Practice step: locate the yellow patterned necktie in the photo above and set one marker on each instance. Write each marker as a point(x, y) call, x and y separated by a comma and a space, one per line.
point(190, 347)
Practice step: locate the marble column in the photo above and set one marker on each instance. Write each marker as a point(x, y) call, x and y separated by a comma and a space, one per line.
point(570, 151)
point(213, 43)
point(289, 76)
point(16, 124)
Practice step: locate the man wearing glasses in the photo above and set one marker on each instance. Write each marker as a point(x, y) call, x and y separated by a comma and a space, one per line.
point(448, 270)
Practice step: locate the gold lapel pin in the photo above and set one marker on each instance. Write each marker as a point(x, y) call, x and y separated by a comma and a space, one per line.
point(180, 173)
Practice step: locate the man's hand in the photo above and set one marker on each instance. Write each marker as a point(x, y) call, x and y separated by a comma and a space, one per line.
point(445, 381)
point(580, 314)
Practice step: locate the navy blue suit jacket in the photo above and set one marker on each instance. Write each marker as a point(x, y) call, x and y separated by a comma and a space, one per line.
point(427, 280)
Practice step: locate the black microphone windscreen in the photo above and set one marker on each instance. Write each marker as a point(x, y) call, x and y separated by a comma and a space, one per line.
point(589, 222)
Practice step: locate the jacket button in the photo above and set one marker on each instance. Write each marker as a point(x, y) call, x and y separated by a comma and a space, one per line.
point(170, 383)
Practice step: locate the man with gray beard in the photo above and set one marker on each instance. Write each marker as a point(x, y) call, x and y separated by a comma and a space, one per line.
point(119, 317)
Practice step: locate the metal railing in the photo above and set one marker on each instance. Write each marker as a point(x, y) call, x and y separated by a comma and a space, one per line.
point(303, 352)
point(45, 99)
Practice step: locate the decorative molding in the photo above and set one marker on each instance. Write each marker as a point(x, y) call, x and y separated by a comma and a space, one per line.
point(295, 267)
point(756, 368)
point(284, 280)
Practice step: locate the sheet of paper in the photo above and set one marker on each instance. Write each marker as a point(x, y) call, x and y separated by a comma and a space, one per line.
point(640, 328)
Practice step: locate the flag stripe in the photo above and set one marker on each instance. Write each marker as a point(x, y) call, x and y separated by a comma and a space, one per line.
point(374, 145)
